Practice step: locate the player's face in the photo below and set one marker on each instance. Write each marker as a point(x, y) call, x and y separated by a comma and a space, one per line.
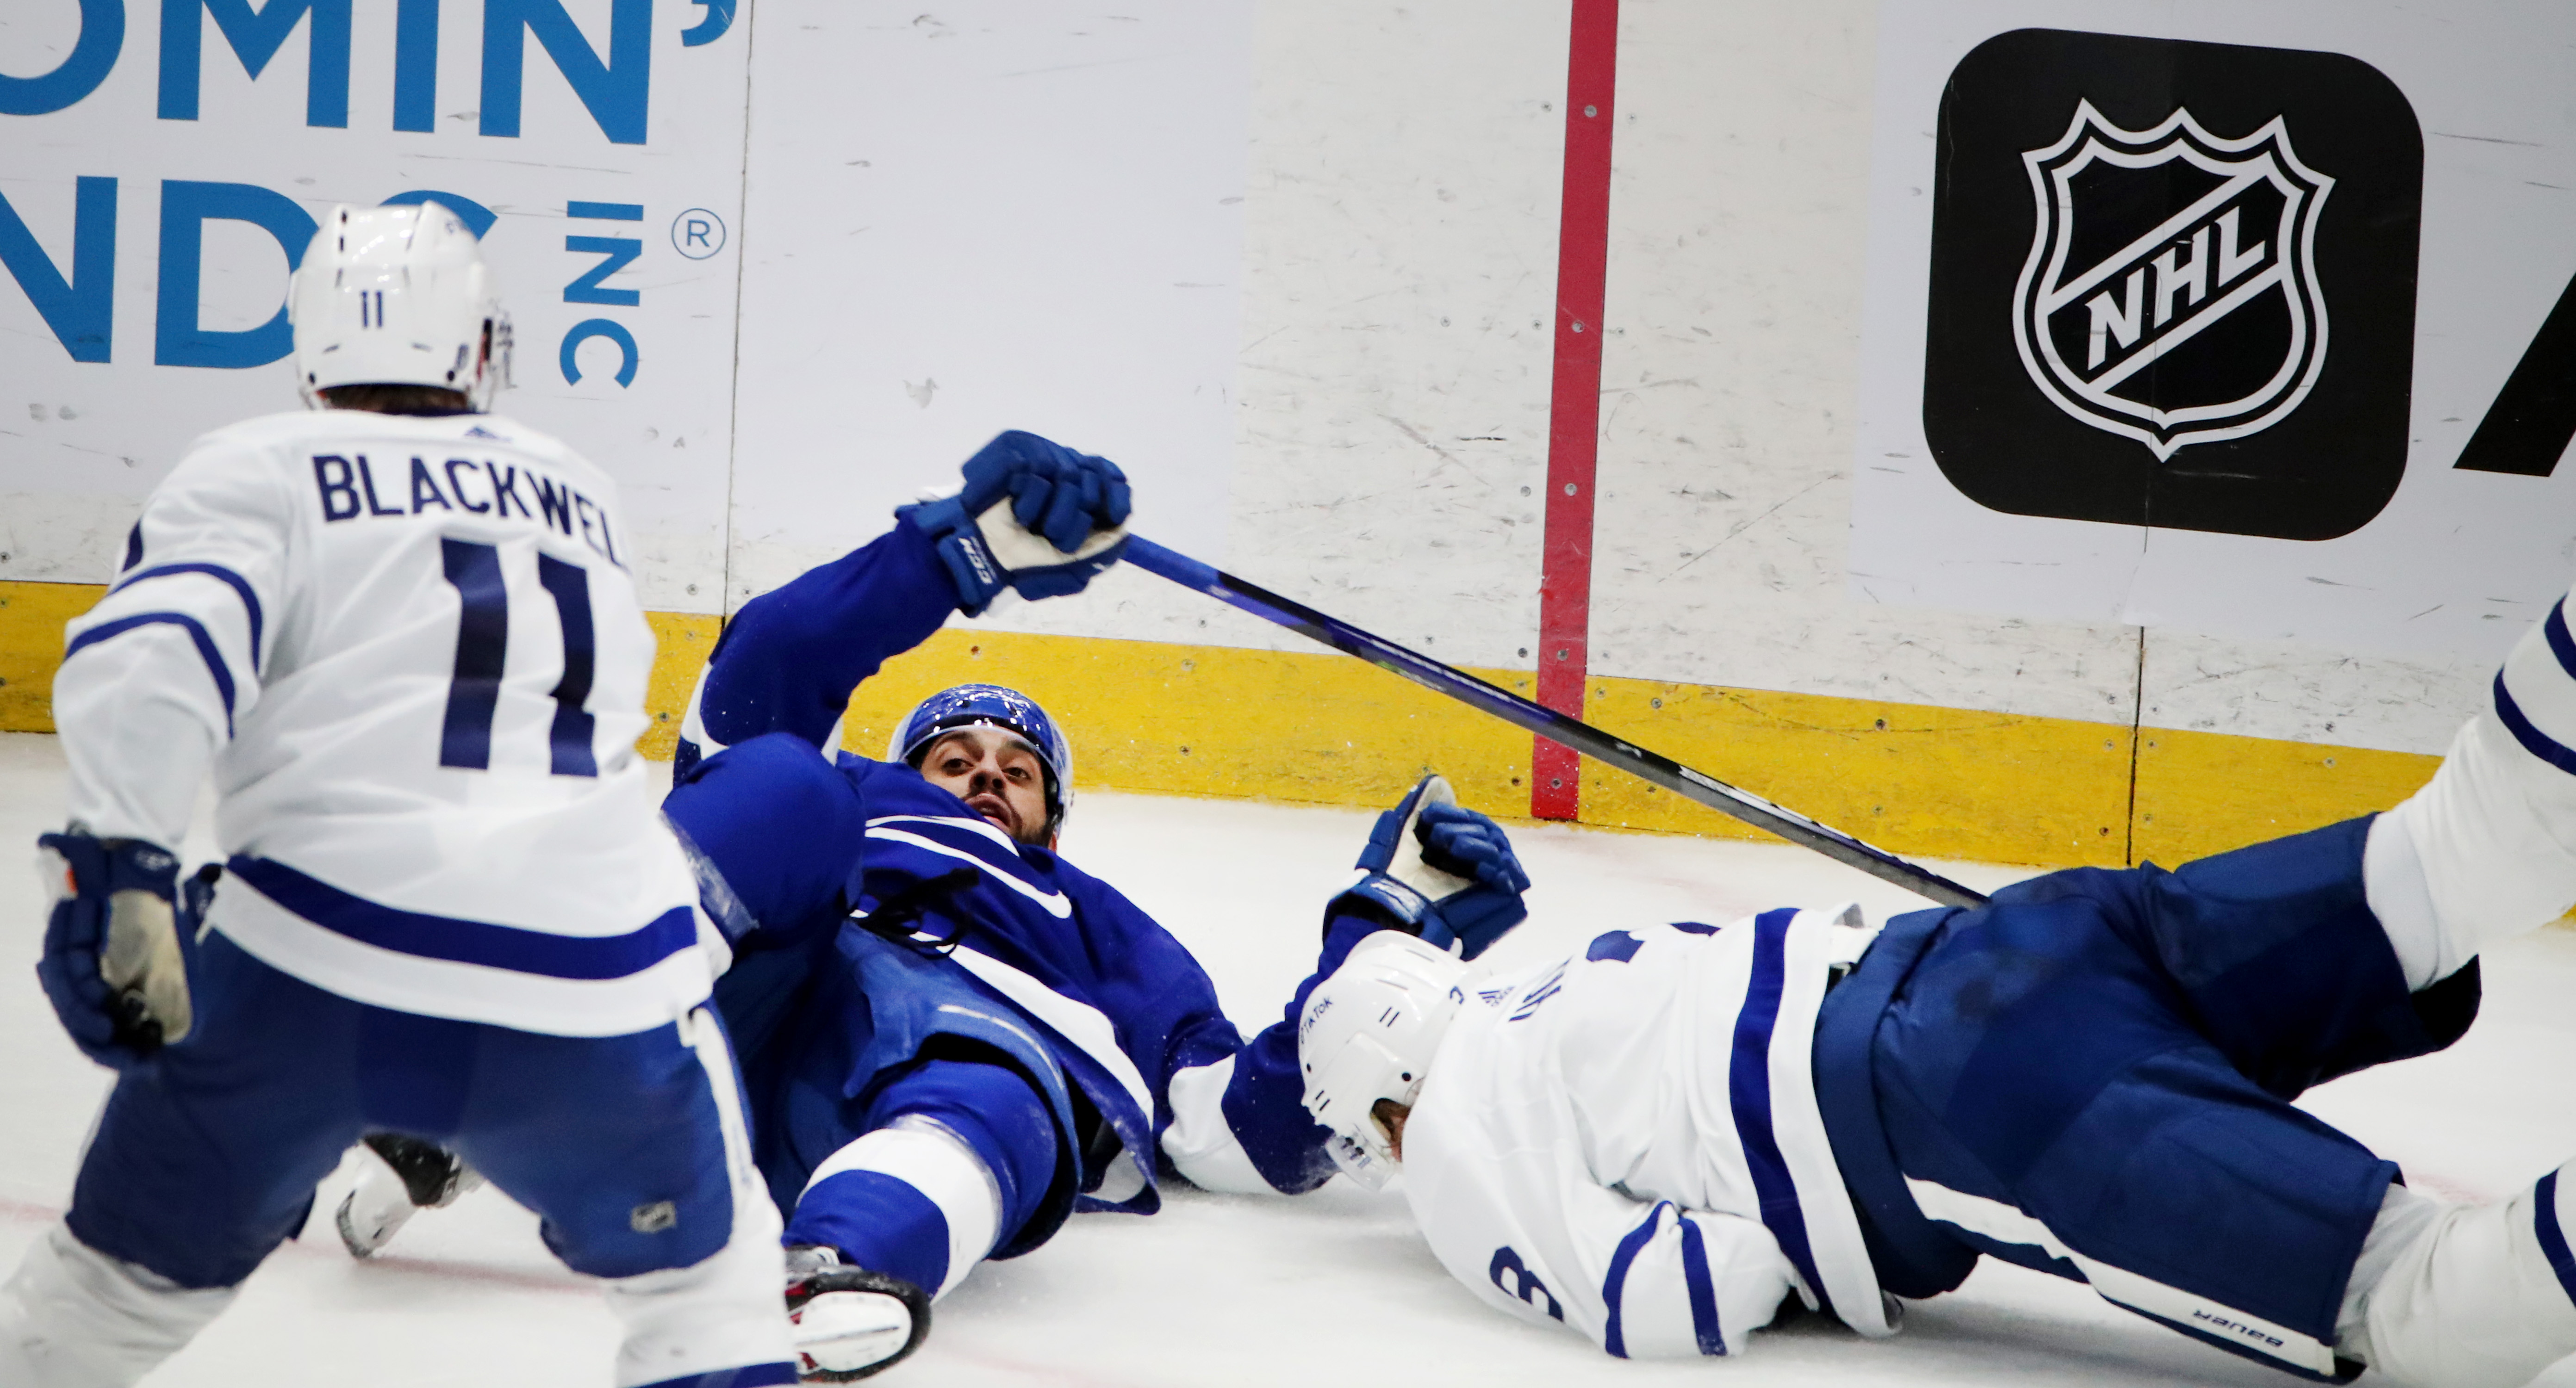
point(997, 776)
point(1390, 1117)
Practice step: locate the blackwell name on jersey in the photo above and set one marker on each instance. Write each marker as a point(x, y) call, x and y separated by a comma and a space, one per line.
point(484, 487)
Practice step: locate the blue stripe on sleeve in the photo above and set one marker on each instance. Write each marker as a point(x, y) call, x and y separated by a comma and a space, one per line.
point(1749, 1093)
point(2561, 644)
point(240, 586)
point(1703, 1293)
point(2533, 740)
point(2553, 1240)
point(1615, 1338)
point(467, 941)
point(205, 648)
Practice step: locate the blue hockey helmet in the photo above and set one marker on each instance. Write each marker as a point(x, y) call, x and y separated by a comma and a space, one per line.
point(991, 705)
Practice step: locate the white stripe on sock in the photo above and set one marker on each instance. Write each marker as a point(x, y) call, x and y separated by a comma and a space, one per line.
point(922, 1153)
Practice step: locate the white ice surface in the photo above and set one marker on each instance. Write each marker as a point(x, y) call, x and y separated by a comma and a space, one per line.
point(1331, 1287)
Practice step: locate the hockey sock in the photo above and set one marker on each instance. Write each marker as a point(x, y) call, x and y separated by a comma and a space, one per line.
point(2472, 1296)
point(911, 1199)
point(72, 1317)
point(2392, 877)
point(2487, 850)
point(715, 1322)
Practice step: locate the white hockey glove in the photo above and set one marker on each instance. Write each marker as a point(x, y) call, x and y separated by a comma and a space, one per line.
point(1035, 517)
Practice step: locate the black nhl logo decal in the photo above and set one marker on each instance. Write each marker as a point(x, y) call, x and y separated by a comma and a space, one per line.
point(2172, 284)
point(2204, 324)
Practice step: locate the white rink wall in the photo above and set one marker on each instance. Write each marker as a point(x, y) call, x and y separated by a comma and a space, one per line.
point(1730, 386)
point(1293, 264)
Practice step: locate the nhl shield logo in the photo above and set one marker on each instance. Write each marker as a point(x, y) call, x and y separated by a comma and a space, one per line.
point(2171, 293)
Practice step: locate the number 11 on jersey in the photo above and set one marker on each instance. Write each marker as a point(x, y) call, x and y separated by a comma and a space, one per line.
point(482, 649)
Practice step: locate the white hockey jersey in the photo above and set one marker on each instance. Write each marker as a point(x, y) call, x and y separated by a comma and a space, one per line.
point(410, 651)
point(1627, 1142)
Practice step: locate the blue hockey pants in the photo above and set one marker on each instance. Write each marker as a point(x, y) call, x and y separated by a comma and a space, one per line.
point(630, 1148)
point(2093, 1075)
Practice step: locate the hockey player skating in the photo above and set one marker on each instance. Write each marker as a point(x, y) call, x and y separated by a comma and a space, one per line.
point(952, 1037)
point(1656, 1141)
point(402, 636)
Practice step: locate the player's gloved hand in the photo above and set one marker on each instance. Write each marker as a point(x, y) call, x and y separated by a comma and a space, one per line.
point(1438, 871)
point(1035, 517)
point(115, 964)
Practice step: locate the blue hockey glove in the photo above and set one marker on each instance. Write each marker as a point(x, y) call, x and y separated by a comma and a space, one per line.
point(1440, 872)
point(1035, 517)
point(115, 959)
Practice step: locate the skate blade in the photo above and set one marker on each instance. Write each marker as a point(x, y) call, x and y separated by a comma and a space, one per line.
point(364, 1235)
point(841, 1333)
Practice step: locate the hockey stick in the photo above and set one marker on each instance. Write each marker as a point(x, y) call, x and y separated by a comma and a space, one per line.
point(1547, 723)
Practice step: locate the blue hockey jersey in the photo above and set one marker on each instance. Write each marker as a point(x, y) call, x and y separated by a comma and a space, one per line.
point(873, 913)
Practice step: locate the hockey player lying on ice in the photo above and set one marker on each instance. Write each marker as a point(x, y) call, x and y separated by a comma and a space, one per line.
point(1655, 1141)
point(995, 1038)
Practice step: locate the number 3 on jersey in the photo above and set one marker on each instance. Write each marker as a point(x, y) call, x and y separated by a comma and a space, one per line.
point(483, 646)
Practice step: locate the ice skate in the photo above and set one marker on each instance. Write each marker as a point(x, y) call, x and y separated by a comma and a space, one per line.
point(847, 1322)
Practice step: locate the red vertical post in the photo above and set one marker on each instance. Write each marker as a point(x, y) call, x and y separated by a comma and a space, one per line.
point(1574, 409)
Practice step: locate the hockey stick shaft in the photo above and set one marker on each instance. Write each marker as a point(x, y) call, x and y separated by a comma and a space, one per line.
point(1548, 723)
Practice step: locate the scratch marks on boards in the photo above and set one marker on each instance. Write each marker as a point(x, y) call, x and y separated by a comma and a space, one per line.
point(1446, 457)
point(1745, 525)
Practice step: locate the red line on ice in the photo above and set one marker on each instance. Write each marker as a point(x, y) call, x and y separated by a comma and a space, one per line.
point(28, 1212)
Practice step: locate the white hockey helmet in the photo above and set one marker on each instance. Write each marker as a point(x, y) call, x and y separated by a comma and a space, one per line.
point(1368, 1033)
point(398, 296)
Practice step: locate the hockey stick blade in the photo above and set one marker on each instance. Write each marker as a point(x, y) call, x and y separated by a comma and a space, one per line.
point(1548, 723)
